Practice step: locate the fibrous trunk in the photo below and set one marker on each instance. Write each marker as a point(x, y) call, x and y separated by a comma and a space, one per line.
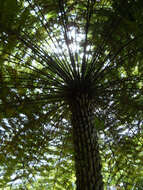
point(87, 157)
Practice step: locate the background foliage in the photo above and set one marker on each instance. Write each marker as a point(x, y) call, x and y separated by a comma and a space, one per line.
point(36, 144)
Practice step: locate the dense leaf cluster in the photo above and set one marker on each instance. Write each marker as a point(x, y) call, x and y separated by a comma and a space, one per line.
point(52, 52)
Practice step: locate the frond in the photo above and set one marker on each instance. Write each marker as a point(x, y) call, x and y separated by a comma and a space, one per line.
point(54, 51)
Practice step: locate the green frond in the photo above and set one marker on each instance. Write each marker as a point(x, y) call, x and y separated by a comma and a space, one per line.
point(52, 53)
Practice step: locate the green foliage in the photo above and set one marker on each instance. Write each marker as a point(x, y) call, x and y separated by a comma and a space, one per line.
point(50, 53)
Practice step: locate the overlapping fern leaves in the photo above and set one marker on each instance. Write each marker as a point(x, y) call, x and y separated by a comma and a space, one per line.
point(50, 53)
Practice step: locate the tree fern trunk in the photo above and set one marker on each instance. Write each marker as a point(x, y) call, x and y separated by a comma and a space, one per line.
point(87, 158)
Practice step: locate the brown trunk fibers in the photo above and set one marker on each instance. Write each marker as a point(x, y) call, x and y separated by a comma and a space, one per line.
point(87, 156)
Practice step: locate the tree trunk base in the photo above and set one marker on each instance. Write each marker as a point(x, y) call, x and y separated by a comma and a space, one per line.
point(87, 156)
